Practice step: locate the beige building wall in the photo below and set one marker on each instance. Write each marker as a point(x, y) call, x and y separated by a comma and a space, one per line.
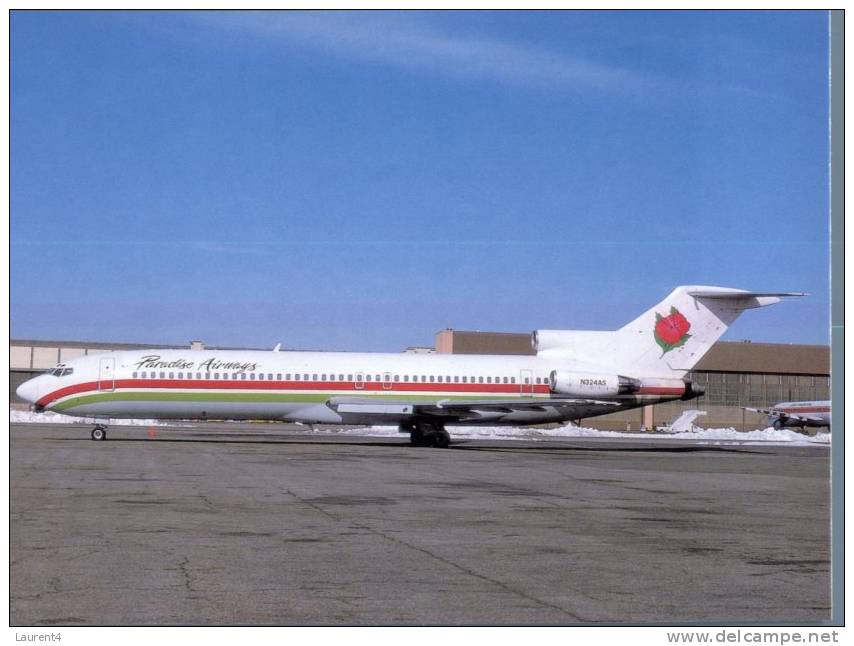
point(70, 353)
point(44, 358)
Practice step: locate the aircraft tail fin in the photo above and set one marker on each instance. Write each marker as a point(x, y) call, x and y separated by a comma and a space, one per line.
point(670, 338)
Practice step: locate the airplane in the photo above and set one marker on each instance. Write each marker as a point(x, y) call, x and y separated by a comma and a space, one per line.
point(796, 414)
point(574, 375)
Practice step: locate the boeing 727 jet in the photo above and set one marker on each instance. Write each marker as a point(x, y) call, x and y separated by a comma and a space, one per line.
point(574, 375)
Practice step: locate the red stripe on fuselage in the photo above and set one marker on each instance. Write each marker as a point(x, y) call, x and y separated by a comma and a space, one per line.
point(653, 390)
point(344, 386)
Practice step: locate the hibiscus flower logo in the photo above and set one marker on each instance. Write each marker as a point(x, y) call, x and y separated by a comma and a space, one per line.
point(671, 331)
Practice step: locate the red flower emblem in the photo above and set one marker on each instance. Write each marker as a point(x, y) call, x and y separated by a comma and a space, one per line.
point(672, 331)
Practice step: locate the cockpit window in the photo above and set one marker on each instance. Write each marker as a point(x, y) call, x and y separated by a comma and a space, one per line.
point(66, 372)
point(59, 371)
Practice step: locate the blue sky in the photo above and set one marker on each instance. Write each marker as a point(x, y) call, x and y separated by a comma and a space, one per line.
point(358, 181)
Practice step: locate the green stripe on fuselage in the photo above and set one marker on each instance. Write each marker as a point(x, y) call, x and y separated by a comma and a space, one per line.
point(229, 397)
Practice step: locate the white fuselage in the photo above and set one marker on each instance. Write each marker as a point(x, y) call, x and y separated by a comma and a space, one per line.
point(298, 386)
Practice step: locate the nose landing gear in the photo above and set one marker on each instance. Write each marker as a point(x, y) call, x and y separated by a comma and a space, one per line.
point(99, 432)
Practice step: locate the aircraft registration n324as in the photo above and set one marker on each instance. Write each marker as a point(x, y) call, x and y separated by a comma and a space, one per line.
point(574, 374)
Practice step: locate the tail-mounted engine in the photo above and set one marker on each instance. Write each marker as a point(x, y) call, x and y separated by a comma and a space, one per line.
point(591, 384)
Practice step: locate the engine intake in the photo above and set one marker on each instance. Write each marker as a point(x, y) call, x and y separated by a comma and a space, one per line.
point(591, 384)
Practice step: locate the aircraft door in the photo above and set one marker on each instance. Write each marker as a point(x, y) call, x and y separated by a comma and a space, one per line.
point(387, 381)
point(526, 383)
point(106, 374)
point(359, 384)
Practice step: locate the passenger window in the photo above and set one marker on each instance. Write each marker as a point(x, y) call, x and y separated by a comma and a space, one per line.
point(305, 376)
point(243, 375)
point(216, 375)
point(456, 380)
point(278, 376)
point(489, 380)
point(134, 375)
point(432, 379)
point(180, 375)
point(350, 378)
point(405, 377)
point(440, 378)
point(163, 375)
point(505, 380)
point(323, 378)
point(270, 376)
point(397, 377)
point(367, 377)
point(261, 376)
point(512, 380)
point(341, 378)
point(465, 380)
point(537, 380)
point(288, 377)
point(480, 380)
point(296, 377)
point(379, 378)
point(252, 376)
point(527, 381)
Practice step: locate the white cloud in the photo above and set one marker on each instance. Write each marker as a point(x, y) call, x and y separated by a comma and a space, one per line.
point(387, 39)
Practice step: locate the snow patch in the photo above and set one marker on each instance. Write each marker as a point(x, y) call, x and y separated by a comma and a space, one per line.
point(768, 435)
point(28, 417)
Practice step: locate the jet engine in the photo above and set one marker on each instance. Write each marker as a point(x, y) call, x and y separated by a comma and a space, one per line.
point(591, 384)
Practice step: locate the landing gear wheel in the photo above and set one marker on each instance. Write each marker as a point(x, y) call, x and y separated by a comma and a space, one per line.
point(441, 440)
point(779, 424)
point(99, 433)
point(416, 437)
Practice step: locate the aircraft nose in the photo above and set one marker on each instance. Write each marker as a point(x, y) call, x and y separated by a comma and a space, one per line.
point(28, 391)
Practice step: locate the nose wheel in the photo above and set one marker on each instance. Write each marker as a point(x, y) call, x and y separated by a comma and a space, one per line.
point(99, 432)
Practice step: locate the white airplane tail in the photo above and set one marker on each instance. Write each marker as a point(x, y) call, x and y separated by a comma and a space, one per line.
point(665, 341)
point(670, 338)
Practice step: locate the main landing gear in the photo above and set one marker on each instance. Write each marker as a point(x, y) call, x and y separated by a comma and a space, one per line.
point(99, 432)
point(427, 434)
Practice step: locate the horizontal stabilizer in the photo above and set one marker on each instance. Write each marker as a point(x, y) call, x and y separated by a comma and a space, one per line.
point(724, 292)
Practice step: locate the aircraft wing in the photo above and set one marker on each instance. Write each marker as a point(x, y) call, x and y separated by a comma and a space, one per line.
point(784, 416)
point(468, 410)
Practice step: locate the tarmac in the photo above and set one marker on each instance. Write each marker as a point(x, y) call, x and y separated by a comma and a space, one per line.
point(265, 524)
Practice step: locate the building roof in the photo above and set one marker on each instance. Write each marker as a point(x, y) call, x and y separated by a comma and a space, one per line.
point(776, 358)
